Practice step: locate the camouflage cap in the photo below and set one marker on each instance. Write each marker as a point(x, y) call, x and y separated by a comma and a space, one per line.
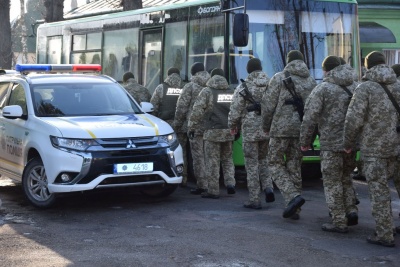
point(374, 58)
point(127, 75)
point(396, 68)
point(330, 62)
point(196, 67)
point(253, 65)
point(293, 55)
point(217, 71)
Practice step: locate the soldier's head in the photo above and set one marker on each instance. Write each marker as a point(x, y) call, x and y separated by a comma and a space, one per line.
point(217, 71)
point(196, 67)
point(173, 70)
point(396, 68)
point(373, 59)
point(294, 55)
point(342, 61)
point(330, 62)
point(253, 64)
point(127, 75)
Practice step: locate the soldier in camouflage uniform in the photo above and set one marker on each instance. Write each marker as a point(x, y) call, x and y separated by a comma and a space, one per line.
point(164, 100)
point(137, 91)
point(372, 116)
point(212, 104)
point(246, 115)
point(282, 120)
point(326, 107)
point(182, 114)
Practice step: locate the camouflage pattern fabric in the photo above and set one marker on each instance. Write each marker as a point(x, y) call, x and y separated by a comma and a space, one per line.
point(255, 141)
point(219, 153)
point(372, 116)
point(336, 168)
point(217, 142)
point(326, 107)
point(174, 81)
point(282, 120)
point(197, 149)
point(283, 124)
point(186, 101)
point(255, 160)
point(286, 174)
point(137, 91)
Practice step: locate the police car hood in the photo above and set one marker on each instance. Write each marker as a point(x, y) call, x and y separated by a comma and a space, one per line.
point(116, 126)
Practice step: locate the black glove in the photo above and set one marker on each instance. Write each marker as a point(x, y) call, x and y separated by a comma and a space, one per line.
point(190, 134)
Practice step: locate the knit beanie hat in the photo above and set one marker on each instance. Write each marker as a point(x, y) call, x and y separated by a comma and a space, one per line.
point(173, 70)
point(330, 62)
point(342, 61)
point(253, 65)
point(127, 75)
point(196, 67)
point(374, 58)
point(293, 55)
point(396, 68)
point(217, 72)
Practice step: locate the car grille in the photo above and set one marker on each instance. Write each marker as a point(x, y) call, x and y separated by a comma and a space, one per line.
point(134, 142)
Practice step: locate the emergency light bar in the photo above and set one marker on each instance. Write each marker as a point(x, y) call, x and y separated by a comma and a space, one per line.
point(58, 67)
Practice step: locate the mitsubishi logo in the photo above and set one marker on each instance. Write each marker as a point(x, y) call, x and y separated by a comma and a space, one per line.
point(130, 144)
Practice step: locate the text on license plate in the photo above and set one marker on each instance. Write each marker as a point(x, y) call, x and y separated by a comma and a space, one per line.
point(133, 167)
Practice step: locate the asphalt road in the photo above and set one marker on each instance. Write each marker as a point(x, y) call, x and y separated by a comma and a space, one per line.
point(124, 228)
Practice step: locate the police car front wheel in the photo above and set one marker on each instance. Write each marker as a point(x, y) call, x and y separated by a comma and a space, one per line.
point(34, 184)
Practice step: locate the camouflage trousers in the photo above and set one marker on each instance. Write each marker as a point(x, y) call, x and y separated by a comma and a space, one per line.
point(376, 172)
point(197, 149)
point(286, 173)
point(336, 169)
point(218, 153)
point(394, 173)
point(182, 138)
point(258, 177)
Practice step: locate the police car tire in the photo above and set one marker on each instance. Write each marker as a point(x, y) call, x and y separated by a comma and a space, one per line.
point(40, 198)
point(163, 191)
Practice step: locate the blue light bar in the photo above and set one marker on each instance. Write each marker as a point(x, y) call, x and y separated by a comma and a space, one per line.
point(58, 67)
point(32, 67)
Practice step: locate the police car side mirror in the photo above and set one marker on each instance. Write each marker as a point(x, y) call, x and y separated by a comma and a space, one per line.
point(147, 107)
point(12, 112)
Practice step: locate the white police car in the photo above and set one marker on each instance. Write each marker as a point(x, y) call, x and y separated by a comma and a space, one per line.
point(71, 132)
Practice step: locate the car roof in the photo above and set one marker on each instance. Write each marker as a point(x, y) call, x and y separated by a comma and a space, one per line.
point(58, 78)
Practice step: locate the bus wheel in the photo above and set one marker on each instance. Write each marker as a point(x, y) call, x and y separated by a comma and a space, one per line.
point(34, 185)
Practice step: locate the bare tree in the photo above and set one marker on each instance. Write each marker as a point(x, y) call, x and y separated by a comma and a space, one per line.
point(131, 4)
point(24, 39)
point(54, 10)
point(5, 40)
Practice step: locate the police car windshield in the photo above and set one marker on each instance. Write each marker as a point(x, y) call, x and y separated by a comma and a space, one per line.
point(54, 100)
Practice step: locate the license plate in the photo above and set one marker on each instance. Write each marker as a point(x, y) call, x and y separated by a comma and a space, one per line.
point(133, 167)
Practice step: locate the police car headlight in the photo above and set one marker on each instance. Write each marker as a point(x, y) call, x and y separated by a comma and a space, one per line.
point(75, 144)
point(169, 139)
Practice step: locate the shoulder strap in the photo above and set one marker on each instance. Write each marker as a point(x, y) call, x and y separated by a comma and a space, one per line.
point(289, 84)
point(391, 97)
point(347, 91)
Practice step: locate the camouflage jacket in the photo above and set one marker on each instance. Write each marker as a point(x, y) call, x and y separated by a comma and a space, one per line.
point(326, 107)
point(186, 100)
point(239, 118)
point(280, 119)
point(173, 80)
point(372, 116)
point(137, 91)
point(204, 105)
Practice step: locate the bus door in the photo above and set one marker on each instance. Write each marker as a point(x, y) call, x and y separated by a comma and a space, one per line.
point(150, 71)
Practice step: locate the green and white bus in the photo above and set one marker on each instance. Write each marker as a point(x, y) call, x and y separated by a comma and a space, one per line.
point(178, 33)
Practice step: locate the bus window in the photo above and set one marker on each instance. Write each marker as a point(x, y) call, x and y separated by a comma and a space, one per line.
point(53, 50)
point(175, 44)
point(151, 59)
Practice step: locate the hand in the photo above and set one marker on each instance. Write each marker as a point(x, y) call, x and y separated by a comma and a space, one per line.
point(348, 150)
point(305, 148)
point(234, 131)
point(190, 134)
